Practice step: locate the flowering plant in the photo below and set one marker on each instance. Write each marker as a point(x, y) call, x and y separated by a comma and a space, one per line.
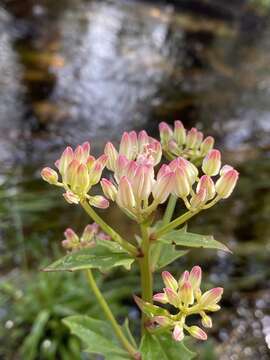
point(139, 184)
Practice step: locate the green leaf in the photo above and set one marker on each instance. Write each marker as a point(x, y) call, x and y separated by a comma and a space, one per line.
point(182, 238)
point(97, 336)
point(169, 254)
point(103, 256)
point(163, 347)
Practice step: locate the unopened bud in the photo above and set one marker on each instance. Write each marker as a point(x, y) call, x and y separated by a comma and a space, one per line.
point(109, 189)
point(211, 163)
point(181, 183)
point(191, 138)
point(197, 332)
point(226, 183)
point(165, 132)
point(206, 320)
point(178, 333)
point(71, 198)
point(207, 145)
point(195, 277)
point(112, 154)
point(179, 132)
point(99, 201)
point(211, 297)
point(161, 297)
point(169, 280)
point(186, 294)
point(49, 175)
point(198, 199)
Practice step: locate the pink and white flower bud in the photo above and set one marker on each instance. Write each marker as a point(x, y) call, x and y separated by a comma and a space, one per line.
point(89, 232)
point(134, 144)
point(49, 175)
point(79, 154)
point(125, 197)
point(142, 182)
point(161, 297)
point(179, 132)
point(154, 151)
point(69, 177)
point(172, 297)
point(81, 181)
point(169, 280)
point(143, 140)
point(121, 167)
point(206, 321)
point(226, 183)
point(182, 186)
point(207, 145)
point(199, 139)
point(186, 294)
point(178, 333)
point(165, 133)
point(112, 154)
point(197, 332)
point(163, 320)
point(208, 185)
point(198, 199)
point(96, 171)
point(129, 145)
point(71, 198)
point(195, 277)
point(211, 297)
point(86, 150)
point(224, 169)
point(108, 189)
point(163, 187)
point(191, 170)
point(211, 163)
point(173, 146)
point(184, 277)
point(99, 201)
point(71, 236)
point(65, 160)
point(191, 138)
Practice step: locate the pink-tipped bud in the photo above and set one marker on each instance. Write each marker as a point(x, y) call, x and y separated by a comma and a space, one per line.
point(188, 167)
point(112, 154)
point(153, 151)
point(129, 145)
point(90, 162)
point(165, 133)
point(161, 297)
point(121, 166)
point(89, 232)
point(143, 140)
point(142, 182)
point(125, 197)
point(71, 236)
point(211, 163)
point(207, 145)
point(79, 154)
point(198, 199)
point(181, 183)
point(206, 320)
point(173, 147)
point(191, 138)
point(133, 143)
point(163, 321)
point(96, 172)
point(179, 132)
point(71, 198)
point(211, 297)
point(99, 201)
point(224, 169)
point(49, 175)
point(69, 177)
point(208, 185)
point(195, 277)
point(178, 333)
point(163, 187)
point(86, 150)
point(184, 277)
point(197, 332)
point(226, 183)
point(81, 181)
point(172, 297)
point(108, 189)
point(186, 294)
point(65, 160)
point(169, 280)
point(199, 138)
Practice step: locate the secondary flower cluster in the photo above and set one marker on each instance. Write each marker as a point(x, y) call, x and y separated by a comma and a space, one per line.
point(79, 171)
point(185, 295)
point(73, 242)
point(180, 142)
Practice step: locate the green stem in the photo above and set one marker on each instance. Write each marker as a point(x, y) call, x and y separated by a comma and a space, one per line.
point(109, 315)
point(178, 221)
point(166, 219)
point(131, 249)
point(146, 273)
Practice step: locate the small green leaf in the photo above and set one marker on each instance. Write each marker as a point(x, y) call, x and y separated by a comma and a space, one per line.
point(182, 238)
point(103, 256)
point(97, 336)
point(163, 347)
point(168, 255)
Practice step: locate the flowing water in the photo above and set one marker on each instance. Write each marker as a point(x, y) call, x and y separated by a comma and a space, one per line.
point(78, 70)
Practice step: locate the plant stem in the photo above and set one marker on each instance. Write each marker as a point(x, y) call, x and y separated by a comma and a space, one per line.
point(146, 273)
point(131, 249)
point(109, 315)
point(166, 219)
point(178, 221)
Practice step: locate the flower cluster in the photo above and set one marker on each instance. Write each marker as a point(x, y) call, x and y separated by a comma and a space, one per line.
point(73, 242)
point(134, 184)
point(180, 142)
point(79, 171)
point(204, 191)
point(186, 296)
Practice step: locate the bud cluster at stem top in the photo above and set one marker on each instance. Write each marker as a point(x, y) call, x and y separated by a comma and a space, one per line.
point(187, 298)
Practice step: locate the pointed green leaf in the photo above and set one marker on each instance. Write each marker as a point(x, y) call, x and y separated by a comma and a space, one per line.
point(103, 256)
point(97, 336)
point(169, 254)
point(182, 238)
point(163, 347)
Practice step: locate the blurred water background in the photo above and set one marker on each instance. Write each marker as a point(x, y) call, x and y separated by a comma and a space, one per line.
point(76, 70)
